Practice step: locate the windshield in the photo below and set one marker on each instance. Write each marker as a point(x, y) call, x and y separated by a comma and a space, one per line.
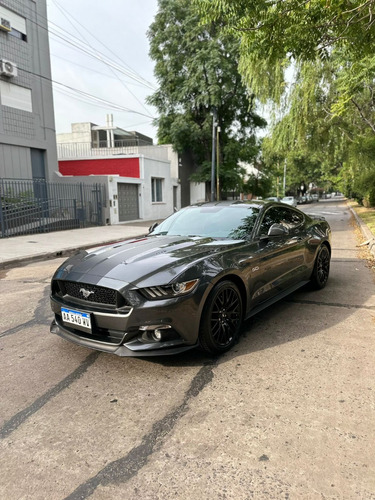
point(228, 221)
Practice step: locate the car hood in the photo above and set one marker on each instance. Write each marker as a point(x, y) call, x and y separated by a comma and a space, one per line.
point(138, 261)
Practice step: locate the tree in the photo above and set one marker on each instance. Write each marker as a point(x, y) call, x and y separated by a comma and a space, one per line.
point(335, 150)
point(274, 32)
point(326, 112)
point(197, 69)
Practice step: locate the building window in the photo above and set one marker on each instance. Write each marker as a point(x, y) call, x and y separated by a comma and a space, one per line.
point(18, 34)
point(15, 22)
point(15, 96)
point(157, 189)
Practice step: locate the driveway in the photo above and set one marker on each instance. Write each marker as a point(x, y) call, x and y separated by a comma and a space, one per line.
point(288, 413)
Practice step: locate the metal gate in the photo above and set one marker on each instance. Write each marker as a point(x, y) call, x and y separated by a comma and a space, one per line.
point(128, 205)
point(35, 206)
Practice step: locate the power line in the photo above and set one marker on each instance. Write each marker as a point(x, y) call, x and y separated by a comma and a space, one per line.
point(92, 69)
point(98, 105)
point(63, 11)
point(97, 39)
point(108, 62)
point(79, 47)
point(86, 94)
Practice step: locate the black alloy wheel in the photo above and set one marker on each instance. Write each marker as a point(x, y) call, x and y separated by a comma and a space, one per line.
point(221, 318)
point(320, 273)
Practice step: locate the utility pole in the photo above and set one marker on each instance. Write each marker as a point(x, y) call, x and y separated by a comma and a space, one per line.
point(284, 181)
point(217, 164)
point(214, 124)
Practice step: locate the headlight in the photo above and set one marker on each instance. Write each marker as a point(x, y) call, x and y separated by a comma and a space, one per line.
point(169, 291)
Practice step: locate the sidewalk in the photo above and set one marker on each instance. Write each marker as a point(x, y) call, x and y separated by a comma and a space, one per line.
point(42, 246)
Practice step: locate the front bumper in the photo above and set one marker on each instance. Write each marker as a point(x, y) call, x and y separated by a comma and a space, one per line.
point(127, 334)
point(124, 350)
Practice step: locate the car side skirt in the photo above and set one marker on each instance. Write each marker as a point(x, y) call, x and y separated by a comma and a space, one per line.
point(275, 299)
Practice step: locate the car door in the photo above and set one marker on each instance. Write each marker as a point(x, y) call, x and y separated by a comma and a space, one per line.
point(280, 259)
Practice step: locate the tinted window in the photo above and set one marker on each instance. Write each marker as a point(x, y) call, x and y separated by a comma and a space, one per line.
point(280, 215)
point(235, 222)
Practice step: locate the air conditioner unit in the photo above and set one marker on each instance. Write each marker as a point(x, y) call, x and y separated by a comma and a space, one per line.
point(5, 25)
point(8, 68)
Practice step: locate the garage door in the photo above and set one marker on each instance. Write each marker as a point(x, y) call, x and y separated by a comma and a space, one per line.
point(128, 202)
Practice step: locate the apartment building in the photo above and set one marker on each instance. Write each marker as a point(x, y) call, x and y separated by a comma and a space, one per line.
point(27, 126)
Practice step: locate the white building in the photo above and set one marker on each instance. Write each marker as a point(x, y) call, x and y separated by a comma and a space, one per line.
point(142, 180)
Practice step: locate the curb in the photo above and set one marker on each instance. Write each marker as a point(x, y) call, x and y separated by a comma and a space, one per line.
point(365, 231)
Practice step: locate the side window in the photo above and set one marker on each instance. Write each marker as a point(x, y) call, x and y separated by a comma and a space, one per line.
point(292, 218)
point(280, 215)
point(272, 216)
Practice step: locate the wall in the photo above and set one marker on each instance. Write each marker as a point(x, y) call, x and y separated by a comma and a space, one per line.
point(158, 169)
point(197, 192)
point(81, 132)
point(125, 167)
point(15, 162)
point(173, 158)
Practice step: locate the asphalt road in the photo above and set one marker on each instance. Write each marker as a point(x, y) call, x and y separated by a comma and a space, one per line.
point(288, 413)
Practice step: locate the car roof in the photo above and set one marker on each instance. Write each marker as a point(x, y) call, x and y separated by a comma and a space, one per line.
point(259, 204)
point(227, 203)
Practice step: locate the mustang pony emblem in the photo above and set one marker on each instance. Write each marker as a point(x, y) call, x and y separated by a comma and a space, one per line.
point(86, 293)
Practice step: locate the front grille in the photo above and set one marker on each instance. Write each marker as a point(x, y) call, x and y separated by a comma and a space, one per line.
point(90, 293)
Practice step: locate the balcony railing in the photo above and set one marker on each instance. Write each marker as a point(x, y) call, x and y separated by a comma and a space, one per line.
point(88, 150)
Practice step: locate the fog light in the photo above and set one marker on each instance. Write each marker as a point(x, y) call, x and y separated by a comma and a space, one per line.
point(157, 335)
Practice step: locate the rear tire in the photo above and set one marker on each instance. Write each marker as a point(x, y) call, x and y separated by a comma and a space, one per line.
point(320, 272)
point(221, 319)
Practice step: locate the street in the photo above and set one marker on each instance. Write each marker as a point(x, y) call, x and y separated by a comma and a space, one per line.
point(288, 413)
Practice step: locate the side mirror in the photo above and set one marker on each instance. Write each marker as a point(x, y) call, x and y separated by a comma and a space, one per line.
point(277, 230)
point(152, 227)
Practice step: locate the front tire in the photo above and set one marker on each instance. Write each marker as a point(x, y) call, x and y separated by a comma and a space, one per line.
point(221, 319)
point(320, 272)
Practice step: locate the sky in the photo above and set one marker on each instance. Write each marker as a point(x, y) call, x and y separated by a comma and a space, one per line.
point(100, 62)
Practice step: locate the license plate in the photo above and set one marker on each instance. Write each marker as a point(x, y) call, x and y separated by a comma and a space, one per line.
point(76, 318)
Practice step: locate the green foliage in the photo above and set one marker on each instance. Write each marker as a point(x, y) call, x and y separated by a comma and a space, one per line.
point(325, 126)
point(258, 185)
point(197, 69)
point(301, 29)
point(363, 188)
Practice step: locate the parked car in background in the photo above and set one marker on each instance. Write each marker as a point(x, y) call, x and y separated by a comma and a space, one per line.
point(273, 198)
point(289, 200)
point(315, 197)
point(191, 281)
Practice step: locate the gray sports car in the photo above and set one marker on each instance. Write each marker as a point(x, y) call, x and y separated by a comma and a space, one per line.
point(191, 281)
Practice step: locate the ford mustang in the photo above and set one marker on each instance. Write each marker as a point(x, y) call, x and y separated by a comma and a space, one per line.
point(191, 281)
